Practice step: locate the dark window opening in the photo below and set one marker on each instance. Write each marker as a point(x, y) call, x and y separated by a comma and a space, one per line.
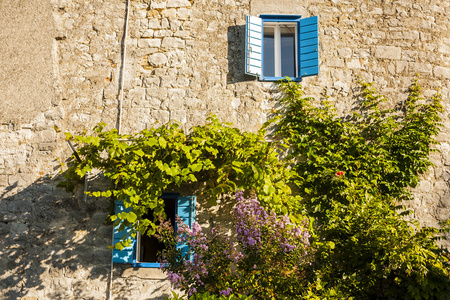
point(149, 246)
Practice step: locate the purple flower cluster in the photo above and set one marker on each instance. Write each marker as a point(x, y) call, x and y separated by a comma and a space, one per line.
point(226, 292)
point(254, 223)
point(250, 218)
point(263, 238)
point(175, 279)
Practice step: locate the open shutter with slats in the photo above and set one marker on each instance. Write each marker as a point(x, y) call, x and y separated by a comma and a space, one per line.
point(126, 255)
point(253, 46)
point(308, 37)
point(186, 212)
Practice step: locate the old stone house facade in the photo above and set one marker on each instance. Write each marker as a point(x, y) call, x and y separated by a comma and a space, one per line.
point(62, 66)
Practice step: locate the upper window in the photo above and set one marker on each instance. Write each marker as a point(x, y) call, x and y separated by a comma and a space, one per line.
point(142, 251)
point(281, 45)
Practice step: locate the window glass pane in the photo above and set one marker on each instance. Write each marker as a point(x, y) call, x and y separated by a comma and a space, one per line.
point(287, 51)
point(268, 52)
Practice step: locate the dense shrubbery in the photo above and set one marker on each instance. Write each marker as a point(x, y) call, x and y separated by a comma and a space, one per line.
point(350, 176)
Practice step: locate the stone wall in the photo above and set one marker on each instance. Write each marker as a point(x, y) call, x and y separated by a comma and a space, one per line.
point(184, 62)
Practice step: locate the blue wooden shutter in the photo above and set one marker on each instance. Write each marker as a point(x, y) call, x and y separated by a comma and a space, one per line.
point(308, 47)
point(253, 46)
point(186, 212)
point(126, 255)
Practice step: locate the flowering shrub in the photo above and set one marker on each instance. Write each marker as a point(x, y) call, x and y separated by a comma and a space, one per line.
point(265, 258)
point(352, 174)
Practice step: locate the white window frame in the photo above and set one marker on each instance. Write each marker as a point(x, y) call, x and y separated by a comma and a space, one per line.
point(277, 46)
point(306, 45)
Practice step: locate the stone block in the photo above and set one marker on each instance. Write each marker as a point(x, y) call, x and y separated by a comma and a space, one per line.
point(7, 217)
point(173, 42)
point(137, 94)
point(158, 4)
point(19, 228)
point(150, 82)
point(104, 232)
point(176, 93)
point(354, 64)
point(445, 49)
point(445, 200)
point(165, 23)
point(420, 68)
point(148, 33)
point(362, 53)
point(440, 186)
point(48, 146)
point(162, 116)
point(182, 82)
point(404, 35)
point(102, 256)
point(378, 34)
point(178, 3)
point(163, 33)
point(179, 116)
point(183, 13)
point(389, 52)
point(154, 23)
point(4, 229)
point(376, 11)
point(400, 66)
point(156, 93)
point(167, 81)
point(20, 206)
point(441, 72)
point(157, 59)
point(99, 217)
point(3, 180)
point(409, 55)
point(336, 62)
point(175, 25)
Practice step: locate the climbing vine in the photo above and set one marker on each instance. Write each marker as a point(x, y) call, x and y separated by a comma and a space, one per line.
point(142, 166)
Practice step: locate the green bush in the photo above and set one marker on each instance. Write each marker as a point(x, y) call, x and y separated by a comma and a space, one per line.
point(352, 174)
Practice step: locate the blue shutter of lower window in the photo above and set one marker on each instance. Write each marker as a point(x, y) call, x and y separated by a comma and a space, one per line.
point(253, 46)
point(126, 255)
point(308, 47)
point(186, 212)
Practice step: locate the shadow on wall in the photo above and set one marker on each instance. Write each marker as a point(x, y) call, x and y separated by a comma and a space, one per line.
point(53, 244)
point(236, 55)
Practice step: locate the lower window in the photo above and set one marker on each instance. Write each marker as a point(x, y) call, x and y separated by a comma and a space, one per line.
point(143, 250)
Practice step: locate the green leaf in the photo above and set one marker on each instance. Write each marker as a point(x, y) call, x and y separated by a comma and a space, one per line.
point(196, 167)
point(139, 152)
point(130, 216)
point(162, 142)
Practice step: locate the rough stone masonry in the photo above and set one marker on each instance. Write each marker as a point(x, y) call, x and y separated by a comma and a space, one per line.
point(61, 66)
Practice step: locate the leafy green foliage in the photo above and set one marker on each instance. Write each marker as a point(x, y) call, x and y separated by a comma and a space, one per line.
point(142, 166)
point(352, 174)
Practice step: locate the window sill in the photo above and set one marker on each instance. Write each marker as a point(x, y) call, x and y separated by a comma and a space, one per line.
point(264, 78)
point(146, 265)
